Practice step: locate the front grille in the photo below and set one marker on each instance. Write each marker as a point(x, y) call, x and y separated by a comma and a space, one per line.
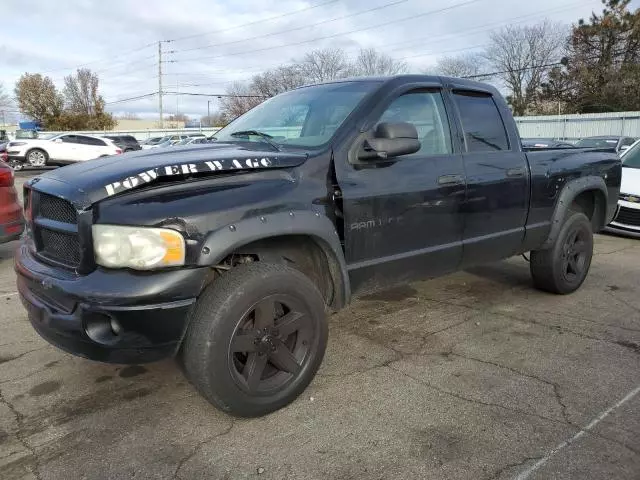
point(54, 243)
point(60, 247)
point(55, 208)
point(628, 216)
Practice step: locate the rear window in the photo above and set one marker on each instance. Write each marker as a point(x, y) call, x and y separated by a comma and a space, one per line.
point(481, 121)
point(597, 143)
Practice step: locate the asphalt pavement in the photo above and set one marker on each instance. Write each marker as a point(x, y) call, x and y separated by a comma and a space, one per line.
point(471, 376)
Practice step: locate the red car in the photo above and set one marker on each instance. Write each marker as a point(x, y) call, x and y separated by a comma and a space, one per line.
point(11, 218)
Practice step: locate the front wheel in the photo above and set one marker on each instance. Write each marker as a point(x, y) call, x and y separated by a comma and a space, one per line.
point(256, 338)
point(37, 158)
point(564, 266)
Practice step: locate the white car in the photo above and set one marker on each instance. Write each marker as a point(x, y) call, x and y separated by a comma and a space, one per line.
point(627, 218)
point(59, 150)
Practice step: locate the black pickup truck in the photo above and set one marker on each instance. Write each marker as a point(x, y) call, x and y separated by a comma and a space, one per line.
point(228, 255)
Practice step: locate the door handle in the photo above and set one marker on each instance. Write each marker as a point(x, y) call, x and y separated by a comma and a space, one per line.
point(451, 180)
point(515, 172)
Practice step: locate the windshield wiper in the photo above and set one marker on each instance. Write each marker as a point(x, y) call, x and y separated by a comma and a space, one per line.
point(265, 136)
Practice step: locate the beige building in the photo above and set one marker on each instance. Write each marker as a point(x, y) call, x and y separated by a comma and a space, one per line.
point(142, 124)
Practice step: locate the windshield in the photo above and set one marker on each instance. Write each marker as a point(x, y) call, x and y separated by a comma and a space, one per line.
point(597, 143)
point(306, 117)
point(631, 158)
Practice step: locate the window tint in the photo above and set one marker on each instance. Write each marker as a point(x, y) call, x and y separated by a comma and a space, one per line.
point(425, 110)
point(70, 139)
point(631, 158)
point(95, 142)
point(481, 122)
point(628, 141)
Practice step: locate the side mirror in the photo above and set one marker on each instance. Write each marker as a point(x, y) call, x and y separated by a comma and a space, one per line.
point(390, 140)
point(624, 147)
point(58, 140)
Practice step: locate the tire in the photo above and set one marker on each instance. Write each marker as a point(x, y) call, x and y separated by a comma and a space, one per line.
point(37, 158)
point(16, 165)
point(243, 367)
point(564, 266)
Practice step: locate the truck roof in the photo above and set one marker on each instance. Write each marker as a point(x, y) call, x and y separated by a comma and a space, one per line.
point(407, 78)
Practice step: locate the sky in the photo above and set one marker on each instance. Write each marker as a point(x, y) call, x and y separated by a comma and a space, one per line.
point(208, 45)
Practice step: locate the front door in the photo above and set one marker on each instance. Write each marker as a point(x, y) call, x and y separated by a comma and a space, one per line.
point(402, 218)
point(497, 201)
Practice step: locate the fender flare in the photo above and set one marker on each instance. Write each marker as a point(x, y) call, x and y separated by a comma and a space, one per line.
point(220, 243)
point(569, 192)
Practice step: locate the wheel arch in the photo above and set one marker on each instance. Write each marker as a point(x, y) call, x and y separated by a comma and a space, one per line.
point(306, 240)
point(587, 194)
point(36, 147)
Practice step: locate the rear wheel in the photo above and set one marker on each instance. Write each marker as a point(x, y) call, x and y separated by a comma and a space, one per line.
point(564, 266)
point(256, 339)
point(37, 157)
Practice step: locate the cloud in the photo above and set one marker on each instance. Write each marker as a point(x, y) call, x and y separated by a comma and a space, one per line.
point(118, 39)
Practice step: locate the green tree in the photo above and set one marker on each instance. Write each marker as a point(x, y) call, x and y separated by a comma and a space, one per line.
point(38, 98)
point(603, 63)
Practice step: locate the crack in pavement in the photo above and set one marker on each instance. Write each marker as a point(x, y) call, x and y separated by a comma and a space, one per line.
point(479, 402)
point(624, 302)
point(20, 436)
point(22, 354)
point(616, 251)
point(500, 471)
point(554, 385)
point(198, 447)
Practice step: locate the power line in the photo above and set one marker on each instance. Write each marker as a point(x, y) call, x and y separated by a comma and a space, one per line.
point(482, 28)
point(303, 27)
point(311, 7)
point(129, 52)
point(384, 24)
point(129, 99)
point(219, 95)
point(557, 63)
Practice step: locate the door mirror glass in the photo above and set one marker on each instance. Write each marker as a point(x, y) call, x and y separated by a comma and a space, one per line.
point(390, 140)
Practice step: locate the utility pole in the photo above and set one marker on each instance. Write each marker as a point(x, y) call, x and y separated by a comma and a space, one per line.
point(208, 113)
point(160, 82)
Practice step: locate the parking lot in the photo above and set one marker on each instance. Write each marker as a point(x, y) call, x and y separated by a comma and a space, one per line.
point(471, 376)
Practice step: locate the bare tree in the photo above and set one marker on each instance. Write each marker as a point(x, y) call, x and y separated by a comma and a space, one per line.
point(521, 56)
point(465, 65)
point(371, 62)
point(278, 80)
point(81, 92)
point(5, 101)
point(324, 65)
point(129, 116)
point(240, 99)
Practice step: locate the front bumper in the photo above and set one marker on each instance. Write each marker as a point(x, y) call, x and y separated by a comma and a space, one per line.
point(114, 316)
point(626, 220)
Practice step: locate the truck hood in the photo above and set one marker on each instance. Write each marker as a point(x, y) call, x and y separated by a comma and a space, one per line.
point(109, 176)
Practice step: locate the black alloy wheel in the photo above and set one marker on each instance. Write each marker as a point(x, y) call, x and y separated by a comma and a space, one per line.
point(256, 338)
point(270, 344)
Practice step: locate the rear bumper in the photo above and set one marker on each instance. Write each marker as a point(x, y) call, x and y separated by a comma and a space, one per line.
point(11, 231)
point(109, 316)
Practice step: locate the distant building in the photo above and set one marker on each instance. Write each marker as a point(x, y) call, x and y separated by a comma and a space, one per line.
point(144, 124)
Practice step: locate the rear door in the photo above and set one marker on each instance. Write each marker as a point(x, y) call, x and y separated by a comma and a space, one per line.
point(92, 148)
point(497, 178)
point(402, 217)
point(66, 150)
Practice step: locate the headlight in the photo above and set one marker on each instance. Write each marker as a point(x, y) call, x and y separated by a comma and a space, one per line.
point(140, 248)
point(16, 144)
